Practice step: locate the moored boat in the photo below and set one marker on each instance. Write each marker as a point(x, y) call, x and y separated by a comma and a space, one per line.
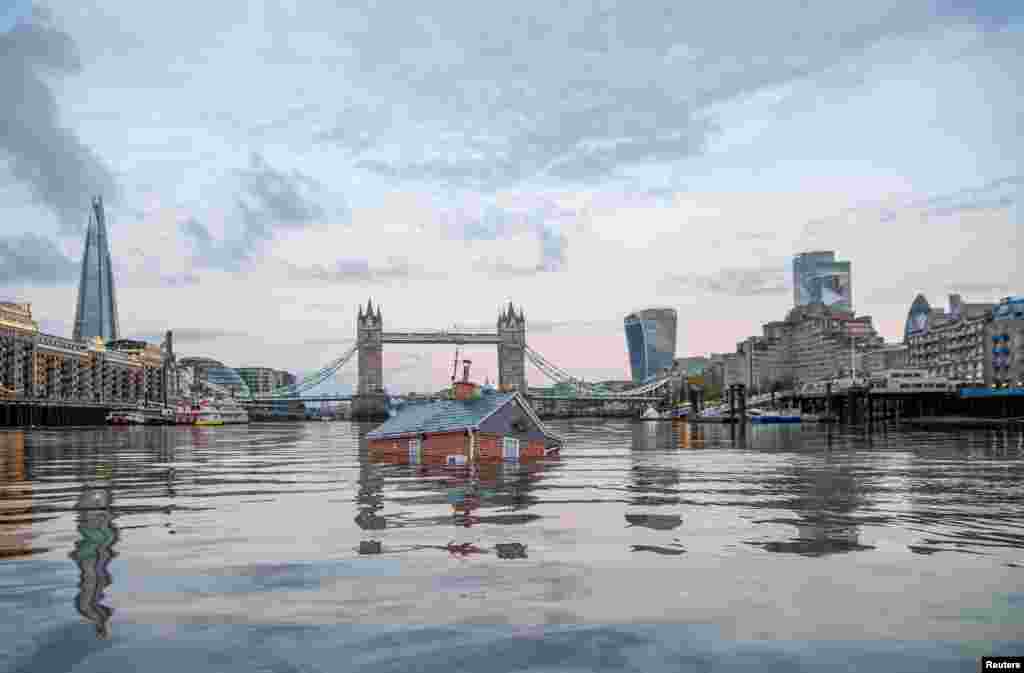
point(232, 412)
point(652, 414)
point(184, 414)
point(209, 416)
point(772, 417)
point(126, 416)
point(206, 413)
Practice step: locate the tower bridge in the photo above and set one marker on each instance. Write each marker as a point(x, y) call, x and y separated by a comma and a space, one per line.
point(509, 336)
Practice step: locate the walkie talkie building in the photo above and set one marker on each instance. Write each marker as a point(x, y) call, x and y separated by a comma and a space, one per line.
point(96, 311)
point(651, 341)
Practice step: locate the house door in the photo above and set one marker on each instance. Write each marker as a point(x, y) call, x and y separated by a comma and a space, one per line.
point(510, 448)
point(414, 450)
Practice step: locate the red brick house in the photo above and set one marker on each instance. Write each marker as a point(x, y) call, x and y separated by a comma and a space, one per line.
point(474, 426)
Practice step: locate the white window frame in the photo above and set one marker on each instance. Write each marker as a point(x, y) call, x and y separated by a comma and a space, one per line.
point(509, 448)
point(415, 445)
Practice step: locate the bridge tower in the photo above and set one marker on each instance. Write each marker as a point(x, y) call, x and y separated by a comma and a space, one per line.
point(512, 350)
point(370, 402)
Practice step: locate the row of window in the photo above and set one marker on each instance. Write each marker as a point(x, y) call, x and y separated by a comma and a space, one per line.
point(509, 448)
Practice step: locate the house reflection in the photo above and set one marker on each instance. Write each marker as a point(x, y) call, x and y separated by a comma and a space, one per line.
point(15, 497)
point(97, 535)
point(476, 493)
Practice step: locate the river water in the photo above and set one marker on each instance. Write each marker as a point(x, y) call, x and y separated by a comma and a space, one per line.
point(645, 546)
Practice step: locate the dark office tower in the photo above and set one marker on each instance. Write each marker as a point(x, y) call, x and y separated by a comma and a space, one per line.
point(96, 312)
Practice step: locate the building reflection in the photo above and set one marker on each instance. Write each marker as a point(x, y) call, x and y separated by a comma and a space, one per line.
point(690, 435)
point(15, 497)
point(655, 476)
point(825, 499)
point(971, 512)
point(655, 483)
point(97, 535)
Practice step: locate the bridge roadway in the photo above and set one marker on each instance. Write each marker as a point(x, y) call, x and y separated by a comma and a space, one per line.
point(440, 337)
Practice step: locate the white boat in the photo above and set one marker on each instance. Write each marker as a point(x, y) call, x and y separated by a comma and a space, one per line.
point(126, 417)
point(209, 416)
point(652, 414)
point(207, 413)
point(780, 416)
point(232, 412)
point(817, 418)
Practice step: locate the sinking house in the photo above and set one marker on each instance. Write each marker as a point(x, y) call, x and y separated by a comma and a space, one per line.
point(475, 425)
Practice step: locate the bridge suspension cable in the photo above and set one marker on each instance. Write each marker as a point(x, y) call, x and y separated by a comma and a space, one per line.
point(312, 380)
point(554, 372)
point(559, 375)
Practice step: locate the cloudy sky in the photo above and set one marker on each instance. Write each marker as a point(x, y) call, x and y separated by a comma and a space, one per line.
point(269, 165)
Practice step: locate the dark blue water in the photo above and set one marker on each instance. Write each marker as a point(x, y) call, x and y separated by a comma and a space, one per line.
point(647, 547)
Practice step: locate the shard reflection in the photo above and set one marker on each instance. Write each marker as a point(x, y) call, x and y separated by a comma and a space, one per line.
point(97, 535)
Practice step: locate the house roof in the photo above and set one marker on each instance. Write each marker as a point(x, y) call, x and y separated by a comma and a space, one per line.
point(448, 416)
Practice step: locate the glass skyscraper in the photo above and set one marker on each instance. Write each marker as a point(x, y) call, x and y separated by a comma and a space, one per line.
point(96, 311)
point(819, 279)
point(651, 340)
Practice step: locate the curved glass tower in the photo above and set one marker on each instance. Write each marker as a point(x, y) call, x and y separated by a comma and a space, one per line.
point(651, 340)
point(96, 311)
point(917, 317)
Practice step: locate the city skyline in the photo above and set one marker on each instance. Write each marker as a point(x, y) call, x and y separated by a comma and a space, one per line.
point(255, 223)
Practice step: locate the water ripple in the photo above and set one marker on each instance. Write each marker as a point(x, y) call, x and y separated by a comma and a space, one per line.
point(765, 529)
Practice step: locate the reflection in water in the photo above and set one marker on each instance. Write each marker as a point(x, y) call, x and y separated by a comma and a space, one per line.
point(655, 521)
point(655, 481)
point(15, 498)
point(821, 490)
point(544, 541)
point(691, 435)
point(484, 493)
point(674, 550)
point(367, 547)
point(93, 553)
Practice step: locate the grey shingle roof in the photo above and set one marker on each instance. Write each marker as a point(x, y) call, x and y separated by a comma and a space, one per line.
point(442, 416)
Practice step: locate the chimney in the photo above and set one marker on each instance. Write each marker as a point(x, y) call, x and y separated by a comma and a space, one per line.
point(464, 390)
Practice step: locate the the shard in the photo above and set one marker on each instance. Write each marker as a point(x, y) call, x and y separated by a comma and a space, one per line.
point(96, 312)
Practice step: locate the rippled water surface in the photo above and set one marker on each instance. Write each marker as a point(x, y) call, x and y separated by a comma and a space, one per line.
point(645, 546)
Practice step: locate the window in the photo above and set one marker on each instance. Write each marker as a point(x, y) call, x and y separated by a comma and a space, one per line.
point(414, 450)
point(510, 448)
